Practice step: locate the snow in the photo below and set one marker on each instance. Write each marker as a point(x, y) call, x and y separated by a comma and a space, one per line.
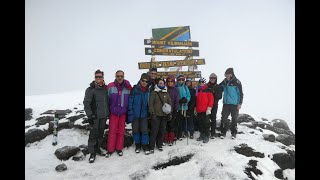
point(215, 160)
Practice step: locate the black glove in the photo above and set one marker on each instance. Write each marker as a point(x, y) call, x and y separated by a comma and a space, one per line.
point(169, 117)
point(90, 120)
point(183, 100)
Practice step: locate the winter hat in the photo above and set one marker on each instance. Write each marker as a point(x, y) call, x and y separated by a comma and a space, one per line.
point(180, 76)
point(154, 69)
point(188, 79)
point(170, 77)
point(212, 75)
point(144, 76)
point(202, 80)
point(229, 71)
point(160, 79)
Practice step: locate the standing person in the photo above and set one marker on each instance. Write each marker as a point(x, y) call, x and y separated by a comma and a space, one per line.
point(97, 110)
point(232, 101)
point(152, 78)
point(159, 118)
point(216, 90)
point(118, 92)
point(138, 114)
point(183, 104)
point(172, 124)
point(190, 111)
point(204, 105)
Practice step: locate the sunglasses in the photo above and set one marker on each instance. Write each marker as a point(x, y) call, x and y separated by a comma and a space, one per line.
point(98, 76)
point(170, 81)
point(201, 82)
point(119, 76)
point(153, 73)
point(213, 78)
point(180, 79)
point(144, 80)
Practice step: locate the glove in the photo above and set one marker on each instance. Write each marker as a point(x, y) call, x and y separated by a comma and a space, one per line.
point(195, 112)
point(208, 110)
point(183, 100)
point(170, 117)
point(90, 120)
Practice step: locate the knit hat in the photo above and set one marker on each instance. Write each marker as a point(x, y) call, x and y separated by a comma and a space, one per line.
point(170, 77)
point(144, 76)
point(153, 69)
point(160, 79)
point(202, 80)
point(212, 75)
point(229, 71)
point(180, 76)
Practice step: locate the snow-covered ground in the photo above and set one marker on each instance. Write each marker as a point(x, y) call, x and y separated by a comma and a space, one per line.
point(215, 160)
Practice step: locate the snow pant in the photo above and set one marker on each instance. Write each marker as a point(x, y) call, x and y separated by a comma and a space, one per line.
point(195, 123)
point(180, 123)
point(116, 132)
point(96, 135)
point(228, 109)
point(170, 129)
point(140, 131)
point(157, 131)
point(204, 123)
point(213, 118)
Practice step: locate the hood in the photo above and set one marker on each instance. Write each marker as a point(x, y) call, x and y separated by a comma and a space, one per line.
point(157, 89)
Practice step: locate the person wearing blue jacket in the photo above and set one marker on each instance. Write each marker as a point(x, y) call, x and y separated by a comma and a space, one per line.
point(183, 105)
point(232, 101)
point(138, 113)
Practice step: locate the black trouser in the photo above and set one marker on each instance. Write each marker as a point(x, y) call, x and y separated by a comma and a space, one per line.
point(96, 135)
point(214, 119)
point(188, 125)
point(226, 111)
point(158, 126)
point(204, 124)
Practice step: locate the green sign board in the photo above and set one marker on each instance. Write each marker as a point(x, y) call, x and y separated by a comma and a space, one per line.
point(171, 52)
point(173, 63)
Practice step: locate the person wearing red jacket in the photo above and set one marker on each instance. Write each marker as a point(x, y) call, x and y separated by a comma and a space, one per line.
point(204, 104)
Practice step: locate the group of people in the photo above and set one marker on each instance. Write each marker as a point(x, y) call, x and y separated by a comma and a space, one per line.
point(160, 110)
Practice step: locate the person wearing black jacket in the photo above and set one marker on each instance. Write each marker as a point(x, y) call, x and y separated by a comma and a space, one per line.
point(96, 106)
point(216, 90)
point(190, 111)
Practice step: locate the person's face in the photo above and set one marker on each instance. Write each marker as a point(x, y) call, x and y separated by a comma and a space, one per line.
point(228, 76)
point(181, 80)
point(213, 79)
point(188, 83)
point(119, 77)
point(161, 83)
point(143, 82)
point(98, 78)
point(201, 83)
point(153, 74)
point(170, 82)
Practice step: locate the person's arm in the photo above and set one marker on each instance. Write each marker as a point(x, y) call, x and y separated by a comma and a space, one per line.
point(87, 102)
point(151, 103)
point(240, 93)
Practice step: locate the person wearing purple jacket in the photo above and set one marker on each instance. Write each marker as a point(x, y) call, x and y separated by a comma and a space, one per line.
point(171, 124)
point(118, 92)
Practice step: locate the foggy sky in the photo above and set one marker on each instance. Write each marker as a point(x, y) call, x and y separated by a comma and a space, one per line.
point(67, 40)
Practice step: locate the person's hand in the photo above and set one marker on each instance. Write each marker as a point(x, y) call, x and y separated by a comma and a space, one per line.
point(195, 112)
point(239, 106)
point(91, 120)
point(169, 117)
point(183, 100)
point(208, 110)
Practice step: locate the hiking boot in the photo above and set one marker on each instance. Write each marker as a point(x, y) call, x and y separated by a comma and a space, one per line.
point(205, 139)
point(101, 152)
point(151, 151)
point(191, 136)
point(170, 143)
point(138, 147)
point(233, 136)
point(120, 153)
point(160, 148)
point(92, 158)
point(163, 144)
point(212, 136)
point(200, 138)
point(108, 154)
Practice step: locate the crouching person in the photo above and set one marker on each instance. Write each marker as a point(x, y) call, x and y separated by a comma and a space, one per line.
point(159, 118)
point(138, 114)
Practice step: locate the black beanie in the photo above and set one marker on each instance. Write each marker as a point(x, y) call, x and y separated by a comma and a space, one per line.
point(229, 71)
point(144, 76)
point(154, 69)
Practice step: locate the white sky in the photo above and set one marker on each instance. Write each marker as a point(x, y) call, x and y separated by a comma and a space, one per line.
point(67, 40)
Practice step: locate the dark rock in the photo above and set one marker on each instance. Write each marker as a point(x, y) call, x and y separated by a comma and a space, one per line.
point(278, 173)
point(264, 119)
point(279, 123)
point(173, 162)
point(34, 135)
point(264, 125)
point(240, 132)
point(79, 111)
point(74, 118)
point(59, 112)
point(43, 120)
point(251, 132)
point(285, 139)
point(61, 167)
point(66, 152)
point(128, 139)
point(285, 160)
point(252, 168)
point(139, 175)
point(83, 146)
point(85, 151)
point(245, 150)
point(27, 126)
point(269, 137)
point(28, 114)
point(75, 108)
point(245, 118)
point(78, 158)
